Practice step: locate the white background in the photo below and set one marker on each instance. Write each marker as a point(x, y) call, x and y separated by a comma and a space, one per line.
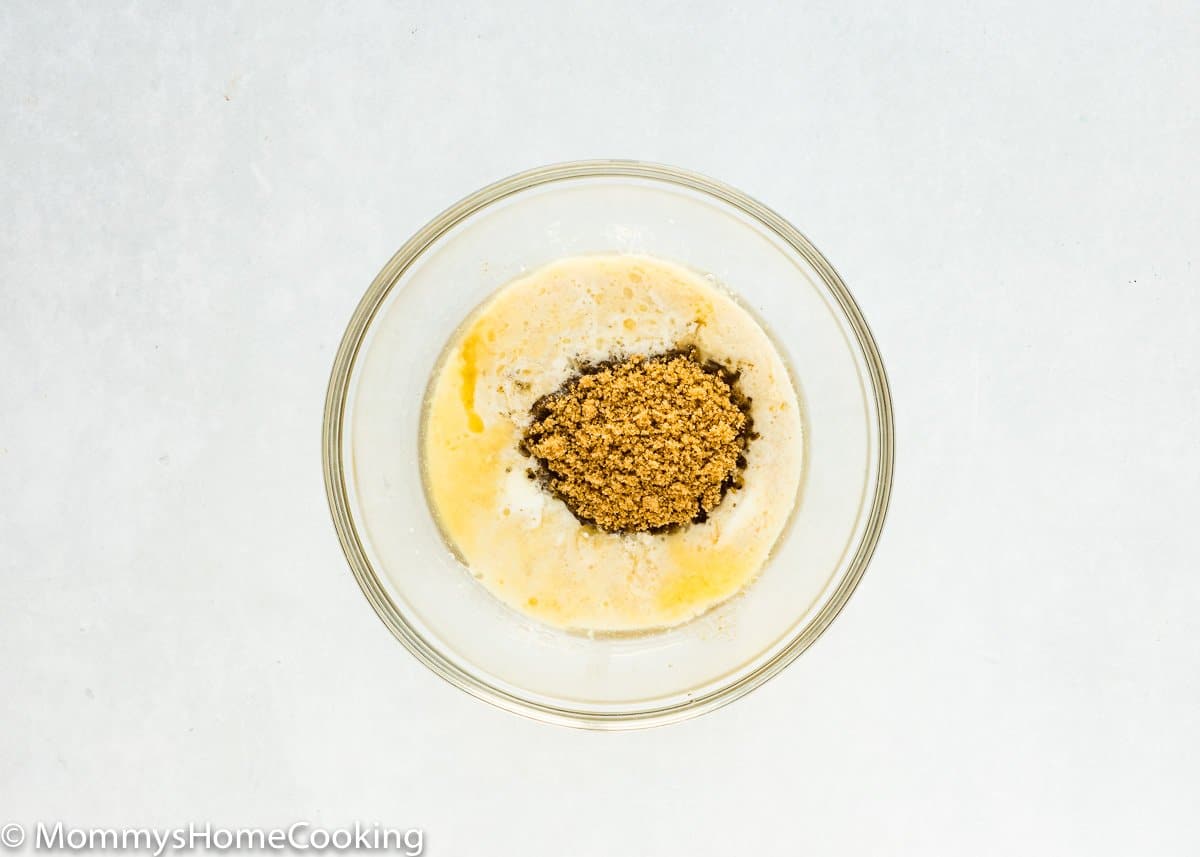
point(194, 196)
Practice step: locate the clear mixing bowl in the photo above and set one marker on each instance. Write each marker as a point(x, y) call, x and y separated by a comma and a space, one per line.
point(373, 471)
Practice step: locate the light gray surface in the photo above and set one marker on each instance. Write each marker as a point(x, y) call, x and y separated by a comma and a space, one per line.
point(193, 200)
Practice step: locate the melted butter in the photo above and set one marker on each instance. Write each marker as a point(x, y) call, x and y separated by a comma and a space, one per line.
point(463, 497)
point(456, 452)
point(702, 575)
point(468, 374)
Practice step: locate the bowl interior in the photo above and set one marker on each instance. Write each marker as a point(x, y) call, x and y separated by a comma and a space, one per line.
point(431, 601)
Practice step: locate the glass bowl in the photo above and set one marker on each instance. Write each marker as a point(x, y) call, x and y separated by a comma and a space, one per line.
point(372, 427)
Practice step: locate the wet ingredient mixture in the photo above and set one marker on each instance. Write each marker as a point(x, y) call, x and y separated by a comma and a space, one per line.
point(659, 424)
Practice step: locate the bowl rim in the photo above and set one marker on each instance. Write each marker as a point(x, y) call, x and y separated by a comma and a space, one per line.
point(337, 492)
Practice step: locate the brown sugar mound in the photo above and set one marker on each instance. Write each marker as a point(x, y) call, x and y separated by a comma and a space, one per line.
point(647, 444)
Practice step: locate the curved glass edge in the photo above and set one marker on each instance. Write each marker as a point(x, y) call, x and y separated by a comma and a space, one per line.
point(352, 545)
